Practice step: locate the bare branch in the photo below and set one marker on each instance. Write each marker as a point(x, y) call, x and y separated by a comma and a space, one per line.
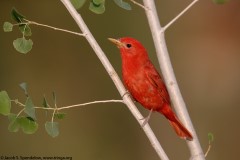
point(210, 140)
point(54, 111)
point(72, 106)
point(94, 102)
point(139, 4)
point(208, 150)
point(169, 77)
point(51, 27)
point(20, 112)
point(180, 14)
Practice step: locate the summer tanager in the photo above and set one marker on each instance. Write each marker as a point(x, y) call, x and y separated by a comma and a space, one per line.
point(145, 84)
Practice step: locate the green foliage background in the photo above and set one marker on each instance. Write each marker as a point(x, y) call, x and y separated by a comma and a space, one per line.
point(205, 52)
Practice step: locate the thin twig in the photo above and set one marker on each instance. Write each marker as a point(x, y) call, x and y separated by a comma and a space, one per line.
point(55, 109)
point(44, 108)
point(94, 102)
point(179, 15)
point(112, 73)
point(17, 102)
point(170, 79)
point(210, 140)
point(51, 27)
point(20, 112)
point(73, 106)
point(208, 150)
point(139, 4)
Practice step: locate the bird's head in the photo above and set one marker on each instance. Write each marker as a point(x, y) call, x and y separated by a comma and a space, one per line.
point(130, 48)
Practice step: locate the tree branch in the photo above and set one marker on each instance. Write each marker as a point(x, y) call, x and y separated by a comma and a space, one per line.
point(169, 77)
point(140, 5)
point(28, 22)
point(94, 102)
point(56, 109)
point(112, 73)
point(180, 14)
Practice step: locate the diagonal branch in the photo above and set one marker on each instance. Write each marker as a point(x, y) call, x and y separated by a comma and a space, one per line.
point(112, 73)
point(169, 77)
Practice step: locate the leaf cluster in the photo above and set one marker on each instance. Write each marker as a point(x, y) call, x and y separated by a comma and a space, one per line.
point(98, 6)
point(26, 119)
point(22, 45)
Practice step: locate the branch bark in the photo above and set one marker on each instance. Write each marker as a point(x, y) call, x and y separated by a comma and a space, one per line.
point(112, 73)
point(169, 77)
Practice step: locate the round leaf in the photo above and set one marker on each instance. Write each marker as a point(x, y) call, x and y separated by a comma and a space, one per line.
point(52, 129)
point(22, 45)
point(98, 2)
point(60, 115)
point(25, 29)
point(29, 108)
point(7, 27)
point(24, 86)
point(5, 103)
point(28, 125)
point(210, 137)
point(14, 123)
point(123, 4)
point(97, 8)
point(78, 3)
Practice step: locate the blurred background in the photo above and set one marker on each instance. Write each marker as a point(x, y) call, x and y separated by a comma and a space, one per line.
point(204, 47)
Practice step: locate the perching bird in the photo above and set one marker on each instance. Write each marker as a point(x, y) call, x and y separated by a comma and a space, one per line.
point(145, 84)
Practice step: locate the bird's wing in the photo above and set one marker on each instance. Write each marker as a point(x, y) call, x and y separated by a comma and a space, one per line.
point(156, 80)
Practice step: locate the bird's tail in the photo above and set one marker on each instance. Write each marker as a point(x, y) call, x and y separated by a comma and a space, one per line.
point(181, 131)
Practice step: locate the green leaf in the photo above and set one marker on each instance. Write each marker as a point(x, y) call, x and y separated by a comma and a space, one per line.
point(25, 29)
point(52, 128)
point(97, 8)
point(24, 86)
point(14, 123)
point(28, 125)
point(22, 45)
point(123, 4)
point(220, 1)
point(54, 99)
point(78, 3)
point(19, 18)
point(29, 108)
point(60, 115)
point(45, 103)
point(98, 2)
point(210, 137)
point(5, 103)
point(16, 16)
point(7, 27)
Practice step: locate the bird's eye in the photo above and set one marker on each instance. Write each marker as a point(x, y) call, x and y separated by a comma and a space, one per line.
point(129, 45)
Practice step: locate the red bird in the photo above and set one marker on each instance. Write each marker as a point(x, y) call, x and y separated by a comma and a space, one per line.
point(145, 84)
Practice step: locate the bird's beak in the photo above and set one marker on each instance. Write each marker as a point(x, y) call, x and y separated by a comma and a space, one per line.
point(116, 42)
